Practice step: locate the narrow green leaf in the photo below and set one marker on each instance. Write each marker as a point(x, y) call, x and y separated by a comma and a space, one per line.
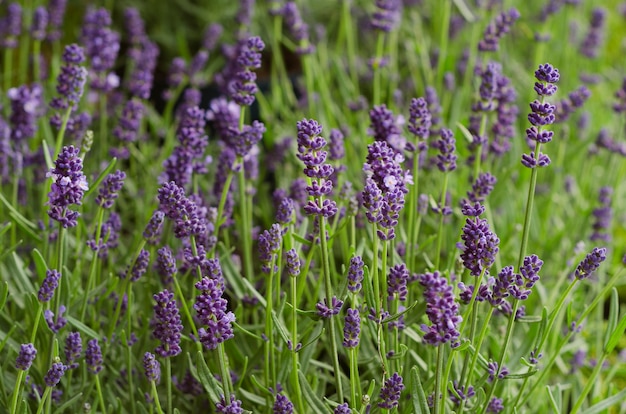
point(6, 227)
point(399, 314)
point(555, 405)
point(82, 327)
point(616, 335)
point(40, 264)
point(101, 177)
point(4, 294)
point(311, 397)
point(18, 217)
point(67, 404)
point(529, 319)
point(521, 376)
point(206, 378)
point(255, 399)
point(613, 316)
point(466, 133)
point(606, 403)
point(418, 396)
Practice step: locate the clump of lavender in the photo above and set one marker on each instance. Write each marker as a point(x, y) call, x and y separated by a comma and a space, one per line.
point(243, 88)
point(181, 210)
point(297, 28)
point(603, 216)
point(93, 356)
point(590, 263)
point(542, 114)
point(311, 153)
point(590, 46)
point(496, 29)
point(26, 356)
point(385, 188)
point(167, 324)
point(68, 187)
point(441, 309)
point(152, 232)
point(480, 244)
point(390, 392)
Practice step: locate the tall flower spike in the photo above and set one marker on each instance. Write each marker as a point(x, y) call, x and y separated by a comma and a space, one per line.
point(73, 349)
point(480, 244)
point(212, 311)
point(243, 88)
point(420, 121)
point(352, 328)
point(70, 82)
point(446, 159)
point(12, 26)
point(54, 375)
point(355, 274)
point(590, 46)
point(25, 357)
point(442, 310)
point(93, 356)
point(497, 29)
point(68, 186)
point(297, 28)
point(590, 263)
point(387, 15)
point(151, 367)
point(603, 216)
point(390, 392)
point(111, 185)
point(167, 324)
point(49, 285)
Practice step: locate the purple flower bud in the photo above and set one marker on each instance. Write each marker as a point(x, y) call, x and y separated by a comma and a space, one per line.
point(58, 323)
point(420, 121)
point(497, 29)
point(282, 405)
point(495, 405)
point(54, 375)
point(71, 80)
point(151, 367)
point(387, 15)
point(40, 23)
point(343, 409)
point(480, 246)
point(441, 309)
point(293, 262)
point(603, 216)
point(397, 282)
point(130, 121)
point(590, 263)
point(233, 407)
point(26, 357)
point(446, 159)
point(152, 232)
point(56, 12)
point(297, 28)
point(12, 26)
point(49, 285)
point(73, 349)
point(390, 392)
point(166, 265)
point(591, 43)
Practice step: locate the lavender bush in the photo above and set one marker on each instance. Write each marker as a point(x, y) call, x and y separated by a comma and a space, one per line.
point(387, 207)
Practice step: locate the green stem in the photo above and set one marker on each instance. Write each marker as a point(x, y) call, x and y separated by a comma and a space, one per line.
point(270, 374)
point(37, 61)
point(16, 392)
point(295, 379)
point(442, 205)
point(44, 400)
point(380, 46)
point(438, 377)
point(155, 395)
point(168, 384)
point(443, 41)
point(100, 395)
point(226, 385)
point(245, 224)
point(346, 21)
point(94, 262)
point(8, 75)
point(591, 381)
point(219, 221)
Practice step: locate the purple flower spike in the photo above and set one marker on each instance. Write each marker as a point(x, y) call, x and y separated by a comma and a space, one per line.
point(495, 405)
point(442, 310)
point(420, 121)
point(590, 263)
point(387, 15)
point(167, 324)
point(11, 26)
point(73, 349)
point(397, 282)
point(590, 46)
point(56, 12)
point(481, 188)
point(71, 80)
point(603, 216)
point(282, 405)
point(151, 367)
point(343, 409)
point(152, 232)
point(297, 28)
point(233, 407)
point(26, 357)
point(93, 356)
point(130, 121)
point(446, 159)
point(111, 186)
point(54, 375)
point(49, 285)
point(384, 127)
point(293, 263)
point(40, 23)
point(212, 311)
point(325, 311)
point(480, 245)
point(68, 186)
point(352, 328)
point(391, 391)
point(497, 29)
point(355, 274)
point(243, 88)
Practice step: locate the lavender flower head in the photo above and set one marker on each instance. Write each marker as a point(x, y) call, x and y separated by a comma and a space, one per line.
point(11, 26)
point(480, 244)
point(71, 80)
point(54, 375)
point(183, 211)
point(167, 324)
point(387, 15)
point(390, 392)
point(293, 263)
point(282, 405)
point(496, 29)
point(590, 263)
point(355, 274)
point(130, 121)
point(542, 114)
point(40, 23)
point(111, 186)
point(352, 328)
point(243, 88)
point(93, 356)
point(270, 242)
point(26, 108)
point(385, 127)
point(73, 349)
point(311, 153)
point(590, 46)
point(325, 310)
point(233, 407)
point(446, 159)
point(25, 357)
point(297, 28)
point(49, 285)
point(68, 186)
point(441, 309)
point(397, 282)
point(151, 367)
point(420, 121)
point(212, 311)
point(603, 216)
point(56, 12)
point(101, 46)
point(481, 188)
point(152, 232)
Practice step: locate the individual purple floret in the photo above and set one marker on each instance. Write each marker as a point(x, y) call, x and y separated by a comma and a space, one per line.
point(167, 324)
point(480, 246)
point(293, 263)
point(151, 367)
point(496, 29)
point(25, 357)
point(152, 232)
point(590, 263)
point(54, 375)
point(352, 328)
point(495, 405)
point(73, 349)
point(355, 274)
point(387, 15)
point(603, 216)
point(234, 407)
point(481, 188)
point(68, 186)
point(325, 311)
point(397, 282)
point(590, 46)
point(111, 186)
point(93, 356)
point(40, 23)
point(282, 405)
point(343, 409)
point(446, 159)
point(442, 310)
point(390, 391)
point(11, 26)
point(212, 312)
point(56, 12)
point(49, 285)
point(243, 88)
point(384, 127)
point(297, 28)
point(71, 80)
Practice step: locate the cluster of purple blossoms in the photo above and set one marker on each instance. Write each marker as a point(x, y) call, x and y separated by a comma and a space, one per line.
point(517, 285)
point(387, 15)
point(297, 28)
point(355, 274)
point(385, 127)
point(397, 281)
point(101, 47)
point(111, 186)
point(480, 244)
point(211, 36)
point(151, 367)
point(420, 121)
point(352, 328)
point(73, 349)
point(282, 405)
point(270, 242)
point(390, 392)
point(175, 77)
point(40, 24)
point(70, 82)
point(93, 356)
point(167, 324)
point(620, 106)
point(233, 407)
point(243, 88)
point(129, 121)
point(135, 29)
point(243, 142)
point(68, 186)
point(492, 370)
point(56, 12)
point(446, 144)
point(26, 108)
point(166, 265)
point(187, 157)
point(222, 116)
point(293, 263)
point(184, 212)
point(212, 308)
point(590, 263)
point(286, 211)
point(603, 216)
point(496, 29)
point(603, 140)
point(326, 311)
point(441, 309)
point(49, 285)
point(481, 188)
point(385, 188)
point(311, 153)
point(139, 266)
point(343, 409)
point(542, 114)
point(575, 100)
point(25, 357)
point(152, 232)
point(495, 405)
point(590, 46)
point(11, 26)
point(54, 374)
